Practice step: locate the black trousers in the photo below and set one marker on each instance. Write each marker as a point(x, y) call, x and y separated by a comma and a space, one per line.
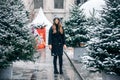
point(60, 63)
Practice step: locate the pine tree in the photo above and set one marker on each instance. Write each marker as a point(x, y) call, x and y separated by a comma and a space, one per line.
point(16, 42)
point(93, 24)
point(75, 27)
point(106, 51)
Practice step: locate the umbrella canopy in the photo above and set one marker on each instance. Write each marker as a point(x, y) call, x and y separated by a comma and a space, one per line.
point(41, 19)
point(93, 5)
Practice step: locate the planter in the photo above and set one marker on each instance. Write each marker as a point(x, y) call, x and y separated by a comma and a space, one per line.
point(79, 52)
point(110, 76)
point(6, 73)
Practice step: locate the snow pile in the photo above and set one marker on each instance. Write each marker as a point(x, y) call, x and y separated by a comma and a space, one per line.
point(92, 5)
point(22, 64)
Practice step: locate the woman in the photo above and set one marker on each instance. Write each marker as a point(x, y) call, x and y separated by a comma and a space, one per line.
point(56, 43)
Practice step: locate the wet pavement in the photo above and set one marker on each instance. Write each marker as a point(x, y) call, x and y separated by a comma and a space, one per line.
point(42, 68)
point(82, 68)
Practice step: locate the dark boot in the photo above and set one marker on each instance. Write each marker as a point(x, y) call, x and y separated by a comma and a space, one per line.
point(61, 71)
point(55, 65)
point(56, 72)
point(55, 69)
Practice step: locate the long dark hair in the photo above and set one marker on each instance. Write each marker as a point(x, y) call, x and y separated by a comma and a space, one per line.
point(60, 29)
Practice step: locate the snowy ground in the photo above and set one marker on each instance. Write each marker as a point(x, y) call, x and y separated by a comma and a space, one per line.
point(42, 69)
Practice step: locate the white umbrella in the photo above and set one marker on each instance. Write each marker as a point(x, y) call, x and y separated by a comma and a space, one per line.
point(91, 5)
point(41, 19)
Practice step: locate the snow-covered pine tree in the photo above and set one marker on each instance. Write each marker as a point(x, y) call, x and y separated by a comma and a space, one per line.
point(105, 53)
point(75, 27)
point(94, 25)
point(16, 43)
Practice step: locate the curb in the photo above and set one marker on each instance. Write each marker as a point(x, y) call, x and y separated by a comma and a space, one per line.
point(73, 66)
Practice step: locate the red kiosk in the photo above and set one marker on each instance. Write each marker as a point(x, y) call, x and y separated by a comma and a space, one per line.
point(41, 41)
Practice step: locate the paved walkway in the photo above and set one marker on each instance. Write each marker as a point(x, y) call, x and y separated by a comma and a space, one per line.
point(82, 68)
point(42, 69)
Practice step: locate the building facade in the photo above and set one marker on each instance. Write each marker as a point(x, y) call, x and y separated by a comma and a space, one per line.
point(51, 8)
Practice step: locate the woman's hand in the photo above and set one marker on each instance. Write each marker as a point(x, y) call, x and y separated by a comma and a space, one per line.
point(65, 47)
point(50, 47)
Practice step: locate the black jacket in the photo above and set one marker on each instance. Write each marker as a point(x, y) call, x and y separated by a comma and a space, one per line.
point(57, 40)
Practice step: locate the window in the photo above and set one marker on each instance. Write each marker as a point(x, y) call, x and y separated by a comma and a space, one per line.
point(59, 4)
point(38, 4)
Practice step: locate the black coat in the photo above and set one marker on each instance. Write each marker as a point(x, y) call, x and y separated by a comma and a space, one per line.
point(57, 40)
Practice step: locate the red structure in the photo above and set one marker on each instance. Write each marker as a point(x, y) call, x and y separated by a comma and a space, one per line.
point(41, 38)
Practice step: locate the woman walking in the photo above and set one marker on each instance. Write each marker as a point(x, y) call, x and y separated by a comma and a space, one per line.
point(56, 43)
